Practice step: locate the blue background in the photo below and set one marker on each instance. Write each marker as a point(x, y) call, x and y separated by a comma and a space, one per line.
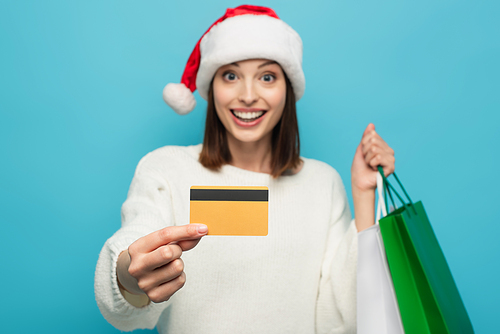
point(81, 103)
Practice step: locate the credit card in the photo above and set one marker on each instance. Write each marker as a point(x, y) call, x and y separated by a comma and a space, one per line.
point(230, 210)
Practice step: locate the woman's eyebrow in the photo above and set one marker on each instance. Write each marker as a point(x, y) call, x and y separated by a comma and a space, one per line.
point(267, 63)
point(262, 65)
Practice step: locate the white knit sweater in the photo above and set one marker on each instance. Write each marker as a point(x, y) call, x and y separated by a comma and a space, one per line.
point(300, 278)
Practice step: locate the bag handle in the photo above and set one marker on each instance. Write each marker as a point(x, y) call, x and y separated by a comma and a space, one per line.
point(381, 203)
point(388, 187)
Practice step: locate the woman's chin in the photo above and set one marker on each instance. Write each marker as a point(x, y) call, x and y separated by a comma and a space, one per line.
point(247, 136)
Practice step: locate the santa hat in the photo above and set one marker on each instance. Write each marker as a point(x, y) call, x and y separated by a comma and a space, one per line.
point(244, 32)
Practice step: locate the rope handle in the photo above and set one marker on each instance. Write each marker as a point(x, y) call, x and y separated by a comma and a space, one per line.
point(388, 187)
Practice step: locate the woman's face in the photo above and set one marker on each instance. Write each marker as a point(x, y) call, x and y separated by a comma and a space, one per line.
point(249, 98)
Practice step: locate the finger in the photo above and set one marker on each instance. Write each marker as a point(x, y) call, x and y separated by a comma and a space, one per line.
point(167, 235)
point(161, 256)
point(375, 161)
point(374, 150)
point(188, 244)
point(370, 152)
point(369, 128)
point(369, 131)
point(387, 163)
point(378, 143)
point(161, 275)
point(368, 142)
point(389, 166)
point(373, 138)
point(170, 271)
point(388, 171)
point(165, 291)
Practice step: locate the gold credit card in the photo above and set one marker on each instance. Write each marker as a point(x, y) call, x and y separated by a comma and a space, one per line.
point(232, 210)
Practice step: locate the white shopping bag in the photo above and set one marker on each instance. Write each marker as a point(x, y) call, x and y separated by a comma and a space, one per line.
point(377, 307)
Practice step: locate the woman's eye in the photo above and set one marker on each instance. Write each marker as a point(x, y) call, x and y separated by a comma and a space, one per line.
point(230, 76)
point(268, 77)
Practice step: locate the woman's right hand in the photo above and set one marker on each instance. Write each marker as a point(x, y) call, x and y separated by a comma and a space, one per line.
point(152, 265)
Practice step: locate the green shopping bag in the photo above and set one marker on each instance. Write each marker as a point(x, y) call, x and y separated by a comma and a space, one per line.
point(428, 298)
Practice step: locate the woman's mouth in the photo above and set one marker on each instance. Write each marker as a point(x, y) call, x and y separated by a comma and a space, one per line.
point(248, 116)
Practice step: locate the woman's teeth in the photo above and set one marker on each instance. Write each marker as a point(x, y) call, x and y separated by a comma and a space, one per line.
point(248, 116)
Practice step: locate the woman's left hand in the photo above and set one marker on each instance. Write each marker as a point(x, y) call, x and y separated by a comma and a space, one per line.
point(371, 152)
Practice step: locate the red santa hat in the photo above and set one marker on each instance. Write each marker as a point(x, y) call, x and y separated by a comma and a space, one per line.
point(244, 32)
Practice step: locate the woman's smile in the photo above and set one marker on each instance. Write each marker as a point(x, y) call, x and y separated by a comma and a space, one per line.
point(247, 117)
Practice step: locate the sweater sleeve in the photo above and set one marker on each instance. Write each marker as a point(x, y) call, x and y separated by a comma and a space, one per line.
point(148, 208)
point(336, 303)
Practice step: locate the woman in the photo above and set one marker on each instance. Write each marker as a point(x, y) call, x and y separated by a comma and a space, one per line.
point(298, 279)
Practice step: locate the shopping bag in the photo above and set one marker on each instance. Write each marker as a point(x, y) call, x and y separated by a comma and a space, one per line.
point(377, 307)
point(428, 298)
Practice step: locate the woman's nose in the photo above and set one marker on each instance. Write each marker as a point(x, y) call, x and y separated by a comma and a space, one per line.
point(248, 93)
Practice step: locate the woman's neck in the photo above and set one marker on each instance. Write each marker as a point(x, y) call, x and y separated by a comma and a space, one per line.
point(252, 156)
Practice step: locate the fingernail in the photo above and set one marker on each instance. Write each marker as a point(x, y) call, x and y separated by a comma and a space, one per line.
point(202, 228)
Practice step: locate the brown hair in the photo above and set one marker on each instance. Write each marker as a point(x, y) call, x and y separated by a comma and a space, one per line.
point(285, 143)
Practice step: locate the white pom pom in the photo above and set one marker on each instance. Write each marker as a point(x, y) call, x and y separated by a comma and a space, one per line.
point(179, 98)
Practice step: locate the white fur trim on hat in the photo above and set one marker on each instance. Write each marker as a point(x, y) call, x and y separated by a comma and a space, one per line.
point(249, 37)
point(179, 98)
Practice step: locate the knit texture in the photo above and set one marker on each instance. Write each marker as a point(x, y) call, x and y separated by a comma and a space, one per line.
point(300, 278)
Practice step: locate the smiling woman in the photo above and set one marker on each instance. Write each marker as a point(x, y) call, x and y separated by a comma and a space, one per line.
point(301, 277)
